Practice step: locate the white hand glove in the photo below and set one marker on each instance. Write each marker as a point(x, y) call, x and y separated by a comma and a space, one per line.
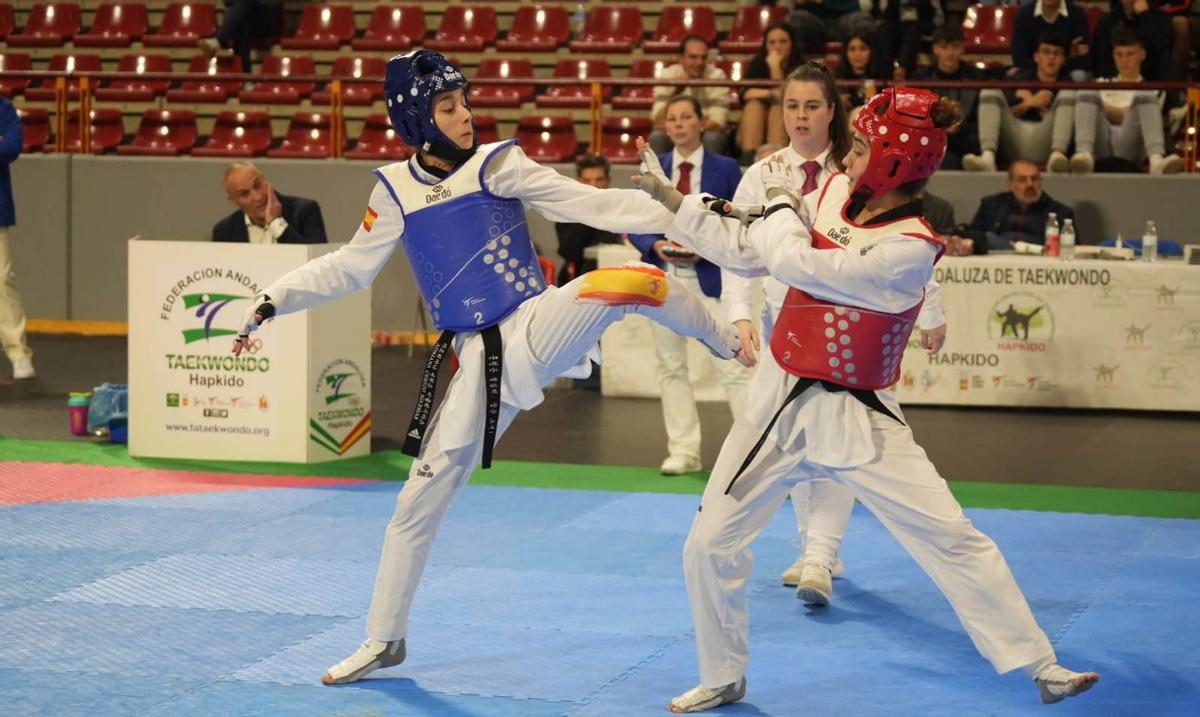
point(778, 180)
point(744, 213)
point(654, 181)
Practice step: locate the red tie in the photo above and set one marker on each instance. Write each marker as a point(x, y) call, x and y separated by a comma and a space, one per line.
point(685, 178)
point(811, 170)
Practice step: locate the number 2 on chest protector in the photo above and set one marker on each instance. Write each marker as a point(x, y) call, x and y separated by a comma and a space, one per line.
point(478, 317)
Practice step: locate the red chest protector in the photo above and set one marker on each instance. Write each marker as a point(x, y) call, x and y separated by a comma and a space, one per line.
point(842, 344)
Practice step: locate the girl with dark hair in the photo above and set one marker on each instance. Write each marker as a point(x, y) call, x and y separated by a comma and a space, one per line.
point(857, 63)
point(762, 121)
point(857, 270)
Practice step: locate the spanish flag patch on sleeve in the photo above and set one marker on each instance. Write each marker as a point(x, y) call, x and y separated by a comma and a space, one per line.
point(369, 218)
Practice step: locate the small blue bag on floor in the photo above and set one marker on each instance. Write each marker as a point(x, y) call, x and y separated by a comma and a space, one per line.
point(109, 400)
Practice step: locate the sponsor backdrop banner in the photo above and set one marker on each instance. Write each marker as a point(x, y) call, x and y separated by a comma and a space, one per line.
point(301, 394)
point(1033, 331)
point(1023, 331)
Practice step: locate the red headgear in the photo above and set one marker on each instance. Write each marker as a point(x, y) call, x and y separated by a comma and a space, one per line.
point(905, 144)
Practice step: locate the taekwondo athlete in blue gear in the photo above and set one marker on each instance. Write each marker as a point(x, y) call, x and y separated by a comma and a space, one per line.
point(458, 209)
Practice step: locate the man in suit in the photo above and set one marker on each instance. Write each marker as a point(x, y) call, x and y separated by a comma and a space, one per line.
point(264, 216)
point(693, 169)
point(1016, 215)
point(574, 238)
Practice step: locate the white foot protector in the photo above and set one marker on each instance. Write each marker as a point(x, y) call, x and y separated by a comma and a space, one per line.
point(699, 699)
point(1056, 683)
point(370, 656)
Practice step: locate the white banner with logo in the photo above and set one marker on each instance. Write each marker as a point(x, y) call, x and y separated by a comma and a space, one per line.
point(301, 394)
point(1022, 331)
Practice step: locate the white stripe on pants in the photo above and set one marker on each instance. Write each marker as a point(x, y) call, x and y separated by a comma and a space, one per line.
point(560, 333)
point(903, 489)
point(12, 315)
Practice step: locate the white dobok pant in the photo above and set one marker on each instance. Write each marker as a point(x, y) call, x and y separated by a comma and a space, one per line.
point(558, 334)
point(903, 489)
point(823, 507)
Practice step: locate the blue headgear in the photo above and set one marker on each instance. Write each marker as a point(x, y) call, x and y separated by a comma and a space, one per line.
point(412, 81)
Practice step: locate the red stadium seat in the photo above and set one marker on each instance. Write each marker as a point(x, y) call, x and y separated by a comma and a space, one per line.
point(137, 90)
point(35, 126)
point(378, 141)
point(485, 129)
point(309, 136)
point(575, 95)
point(209, 91)
point(547, 139)
point(322, 27)
point(370, 69)
point(63, 62)
point(117, 24)
point(7, 20)
point(48, 25)
point(392, 27)
point(468, 28)
point(734, 70)
point(281, 93)
point(677, 22)
point(108, 131)
point(989, 29)
point(183, 24)
point(610, 29)
point(483, 95)
point(237, 134)
point(537, 28)
point(12, 86)
point(164, 133)
point(618, 135)
point(639, 97)
point(749, 24)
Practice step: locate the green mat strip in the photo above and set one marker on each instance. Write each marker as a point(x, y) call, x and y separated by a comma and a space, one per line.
point(391, 465)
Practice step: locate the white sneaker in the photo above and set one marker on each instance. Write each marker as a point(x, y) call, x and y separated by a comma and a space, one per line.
point(983, 162)
point(816, 584)
point(678, 465)
point(791, 576)
point(1170, 164)
point(1056, 683)
point(370, 656)
point(1058, 163)
point(23, 369)
point(1082, 163)
point(699, 699)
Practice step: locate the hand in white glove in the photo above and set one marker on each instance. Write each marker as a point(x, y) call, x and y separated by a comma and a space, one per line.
point(744, 213)
point(778, 180)
point(261, 310)
point(653, 181)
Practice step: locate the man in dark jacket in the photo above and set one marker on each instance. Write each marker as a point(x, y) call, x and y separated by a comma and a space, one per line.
point(265, 216)
point(12, 314)
point(574, 239)
point(1016, 215)
point(1151, 25)
point(1061, 17)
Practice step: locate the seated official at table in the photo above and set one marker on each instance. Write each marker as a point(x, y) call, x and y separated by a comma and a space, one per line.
point(1016, 215)
point(264, 216)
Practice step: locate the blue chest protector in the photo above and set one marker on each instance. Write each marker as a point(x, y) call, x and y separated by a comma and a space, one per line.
point(470, 250)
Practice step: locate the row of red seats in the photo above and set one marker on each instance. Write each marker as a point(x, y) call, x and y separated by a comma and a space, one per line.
point(248, 134)
point(370, 69)
point(988, 29)
point(535, 28)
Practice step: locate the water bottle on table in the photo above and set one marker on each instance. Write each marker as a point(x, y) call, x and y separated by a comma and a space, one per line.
point(1150, 242)
point(1067, 240)
point(1052, 235)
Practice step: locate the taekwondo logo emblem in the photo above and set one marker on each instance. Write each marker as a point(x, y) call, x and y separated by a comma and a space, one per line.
point(203, 295)
point(207, 306)
point(1168, 373)
point(343, 385)
point(336, 381)
point(1021, 322)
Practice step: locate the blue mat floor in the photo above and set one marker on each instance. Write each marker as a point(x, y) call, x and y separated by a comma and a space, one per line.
point(551, 602)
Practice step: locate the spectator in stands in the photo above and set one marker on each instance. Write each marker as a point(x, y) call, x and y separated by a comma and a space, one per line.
point(1126, 124)
point(816, 21)
point(573, 238)
point(1061, 17)
point(762, 118)
point(1151, 24)
point(12, 314)
point(693, 65)
point(898, 29)
point(855, 64)
point(948, 49)
point(694, 169)
point(244, 23)
point(1181, 29)
point(1032, 124)
point(1016, 215)
point(263, 215)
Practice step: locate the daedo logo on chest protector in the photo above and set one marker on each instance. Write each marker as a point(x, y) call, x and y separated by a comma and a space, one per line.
point(440, 192)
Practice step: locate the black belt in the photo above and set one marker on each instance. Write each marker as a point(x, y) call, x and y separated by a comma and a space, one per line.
point(868, 398)
point(493, 369)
